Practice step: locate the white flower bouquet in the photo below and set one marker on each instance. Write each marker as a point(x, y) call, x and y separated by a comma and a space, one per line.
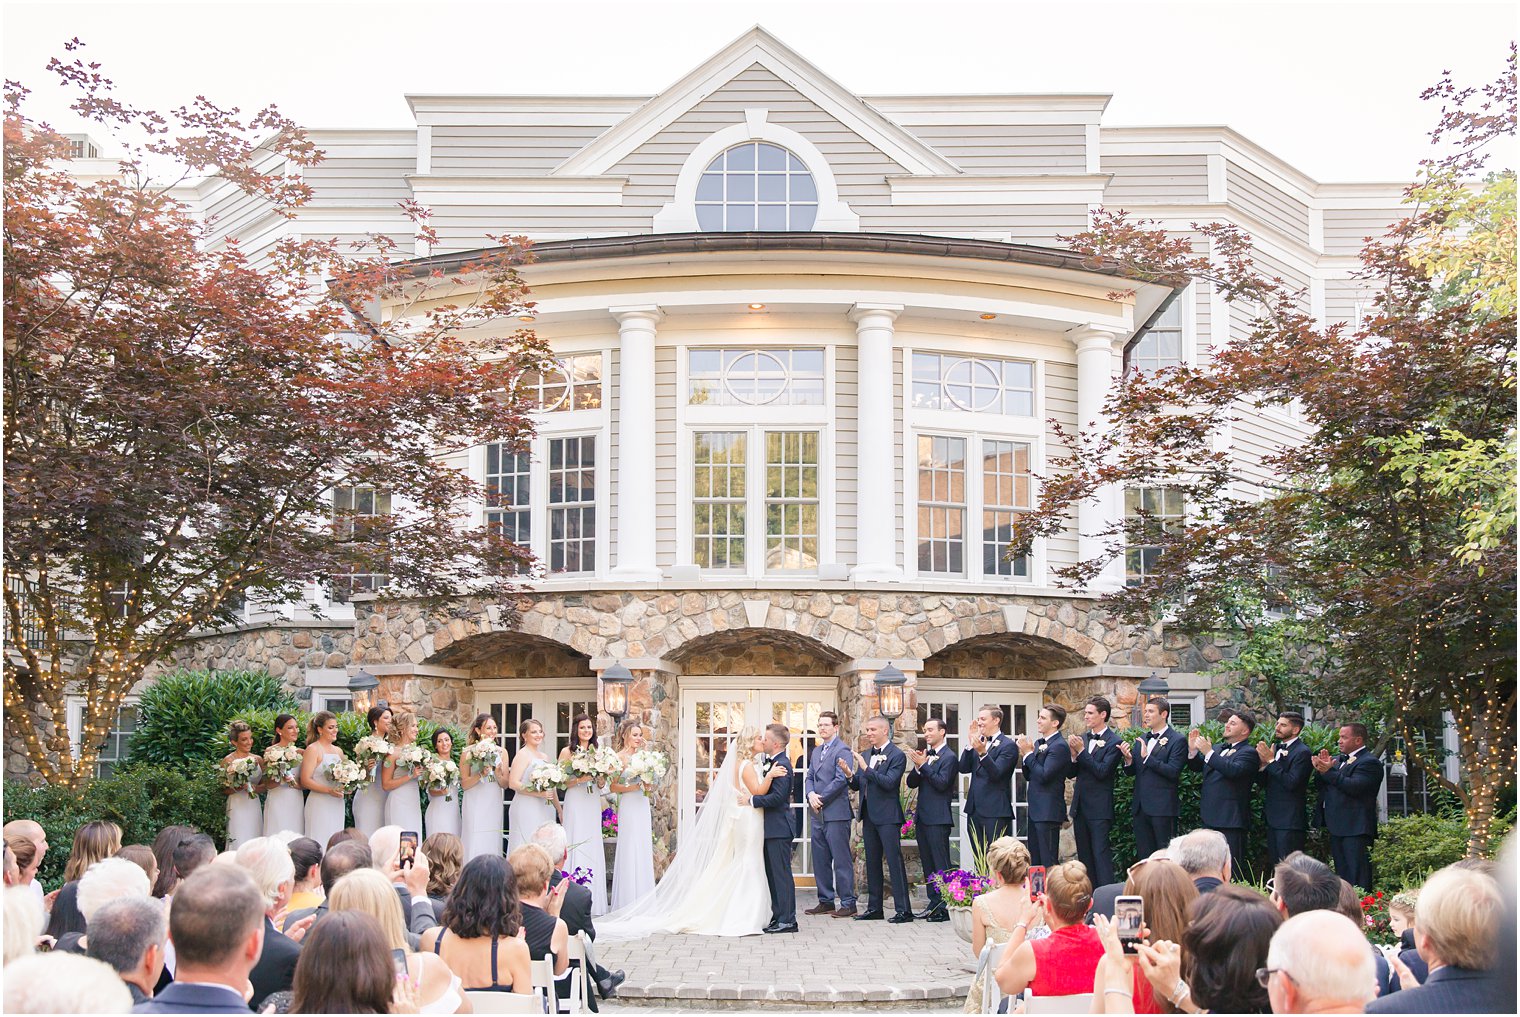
point(370, 748)
point(439, 774)
point(481, 756)
point(348, 775)
point(282, 763)
point(599, 762)
point(546, 777)
point(410, 758)
point(648, 766)
point(241, 774)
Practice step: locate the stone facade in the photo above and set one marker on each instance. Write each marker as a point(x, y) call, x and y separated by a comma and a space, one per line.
point(283, 648)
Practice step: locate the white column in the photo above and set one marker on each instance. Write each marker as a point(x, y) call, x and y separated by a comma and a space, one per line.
point(1099, 359)
point(636, 436)
point(876, 507)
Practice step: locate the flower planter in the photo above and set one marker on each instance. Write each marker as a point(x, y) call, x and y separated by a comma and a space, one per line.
point(960, 921)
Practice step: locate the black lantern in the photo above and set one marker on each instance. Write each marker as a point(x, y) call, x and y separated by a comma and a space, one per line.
point(890, 683)
point(616, 681)
point(360, 687)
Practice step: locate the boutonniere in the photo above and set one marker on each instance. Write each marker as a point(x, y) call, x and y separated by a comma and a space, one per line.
point(1043, 746)
point(1162, 741)
point(767, 767)
point(1227, 752)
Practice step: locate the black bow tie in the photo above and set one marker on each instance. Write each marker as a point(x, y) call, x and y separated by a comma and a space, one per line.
point(1151, 736)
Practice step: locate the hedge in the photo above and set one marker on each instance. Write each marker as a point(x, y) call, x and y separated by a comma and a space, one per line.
point(182, 717)
point(1410, 848)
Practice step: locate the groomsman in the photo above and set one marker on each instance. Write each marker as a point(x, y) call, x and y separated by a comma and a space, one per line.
point(1228, 776)
point(1047, 765)
point(1285, 769)
point(878, 776)
point(1348, 788)
point(990, 760)
point(1097, 758)
point(1156, 762)
point(828, 795)
point(935, 774)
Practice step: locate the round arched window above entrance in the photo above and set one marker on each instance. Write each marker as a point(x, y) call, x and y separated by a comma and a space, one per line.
point(756, 186)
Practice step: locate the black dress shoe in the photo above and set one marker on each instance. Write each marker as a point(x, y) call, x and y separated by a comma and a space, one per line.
point(901, 918)
point(938, 916)
point(774, 928)
point(924, 915)
point(869, 916)
point(607, 985)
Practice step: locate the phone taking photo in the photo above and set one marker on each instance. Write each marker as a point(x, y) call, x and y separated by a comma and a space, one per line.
point(398, 958)
point(1129, 917)
point(1036, 882)
point(408, 852)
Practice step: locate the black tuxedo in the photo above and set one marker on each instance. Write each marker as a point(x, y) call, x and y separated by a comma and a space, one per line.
point(1286, 811)
point(989, 799)
point(938, 785)
point(1047, 769)
point(276, 969)
point(1155, 807)
point(1348, 809)
point(1229, 773)
point(777, 806)
point(1092, 803)
point(881, 819)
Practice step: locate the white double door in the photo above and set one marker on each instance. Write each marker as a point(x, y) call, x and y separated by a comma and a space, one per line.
point(713, 713)
point(555, 708)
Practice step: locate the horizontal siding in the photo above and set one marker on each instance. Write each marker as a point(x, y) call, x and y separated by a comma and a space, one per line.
point(1022, 224)
point(1256, 434)
point(1203, 320)
point(846, 451)
point(1347, 229)
point(665, 460)
point(1003, 148)
point(470, 139)
point(1342, 296)
point(363, 167)
point(1252, 194)
point(1156, 179)
point(1060, 405)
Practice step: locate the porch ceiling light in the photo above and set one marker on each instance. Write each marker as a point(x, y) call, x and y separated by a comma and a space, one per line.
point(890, 683)
point(757, 307)
point(615, 683)
point(987, 317)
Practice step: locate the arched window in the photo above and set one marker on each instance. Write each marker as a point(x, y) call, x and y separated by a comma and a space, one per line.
point(756, 186)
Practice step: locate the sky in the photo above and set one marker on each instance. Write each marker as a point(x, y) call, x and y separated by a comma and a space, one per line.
point(1331, 88)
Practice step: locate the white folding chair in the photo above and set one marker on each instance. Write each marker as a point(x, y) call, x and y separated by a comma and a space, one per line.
point(580, 974)
point(504, 1002)
point(1077, 1002)
point(543, 982)
point(992, 995)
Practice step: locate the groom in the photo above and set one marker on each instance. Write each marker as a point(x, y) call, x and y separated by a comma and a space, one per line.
point(777, 803)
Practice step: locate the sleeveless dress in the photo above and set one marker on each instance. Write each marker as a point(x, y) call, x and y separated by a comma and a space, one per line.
point(583, 829)
point(1066, 961)
point(324, 813)
point(527, 813)
point(633, 864)
point(443, 812)
point(996, 934)
point(369, 804)
point(732, 896)
point(480, 820)
point(283, 808)
point(245, 815)
point(403, 805)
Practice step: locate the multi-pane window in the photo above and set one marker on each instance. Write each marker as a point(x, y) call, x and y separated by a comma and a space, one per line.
point(1007, 489)
point(791, 501)
point(572, 504)
point(113, 748)
point(573, 383)
point(756, 186)
point(1161, 345)
point(1149, 512)
point(756, 377)
point(356, 510)
point(509, 493)
point(944, 381)
point(941, 504)
point(718, 499)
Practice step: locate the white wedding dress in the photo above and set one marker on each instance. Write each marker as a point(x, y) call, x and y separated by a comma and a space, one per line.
point(716, 884)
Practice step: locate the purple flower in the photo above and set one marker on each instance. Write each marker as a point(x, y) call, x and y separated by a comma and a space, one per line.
point(581, 875)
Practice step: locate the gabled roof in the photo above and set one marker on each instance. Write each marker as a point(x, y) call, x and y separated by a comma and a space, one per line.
point(757, 46)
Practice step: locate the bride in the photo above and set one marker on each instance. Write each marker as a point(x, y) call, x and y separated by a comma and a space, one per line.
point(716, 884)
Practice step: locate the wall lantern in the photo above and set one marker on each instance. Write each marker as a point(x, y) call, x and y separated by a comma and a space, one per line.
point(890, 683)
point(616, 681)
point(360, 688)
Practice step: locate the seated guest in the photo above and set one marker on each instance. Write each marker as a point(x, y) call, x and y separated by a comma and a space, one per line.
point(346, 967)
point(338, 862)
point(216, 923)
point(129, 935)
point(1301, 884)
point(1461, 913)
point(267, 861)
point(1063, 963)
point(306, 856)
point(1205, 855)
point(1119, 986)
point(1003, 914)
point(31, 830)
point(164, 845)
point(1226, 941)
point(1318, 963)
point(546, 931)
point(1401, 919)
point(108, 879)
point(445, 855)
point(346, 834)
point(23, 921)
point(63, 983)
point(575, 909)
point(410, 881)
point(1103, 896)
point(478, 937)
point(142, 856)
point(368, 892)
point(92, 842)
point(28, 859)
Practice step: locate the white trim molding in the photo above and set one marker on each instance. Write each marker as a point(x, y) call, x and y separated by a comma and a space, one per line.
point(1043, 189)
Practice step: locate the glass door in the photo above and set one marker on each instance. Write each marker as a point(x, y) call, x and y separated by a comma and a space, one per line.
point(799, 712)
point(556, 709)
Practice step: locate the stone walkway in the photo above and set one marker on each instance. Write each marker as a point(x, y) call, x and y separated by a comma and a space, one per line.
point(830, 964)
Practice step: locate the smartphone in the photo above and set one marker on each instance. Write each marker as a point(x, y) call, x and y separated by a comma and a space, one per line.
point(1129, 916)
point(1036, 882)
point(408, 853)
point(398, 958)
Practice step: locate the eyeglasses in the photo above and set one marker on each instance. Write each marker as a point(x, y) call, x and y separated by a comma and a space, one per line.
point(1271, 887)
point(1264, 975)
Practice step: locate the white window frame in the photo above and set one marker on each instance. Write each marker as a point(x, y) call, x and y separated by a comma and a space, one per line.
point(1187, 332)
point(74, 706)
point(754, 421)
point(326, 683)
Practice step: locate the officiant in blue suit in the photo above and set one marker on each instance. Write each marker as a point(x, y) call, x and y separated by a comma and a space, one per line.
point(828, 796)
point(878, 777)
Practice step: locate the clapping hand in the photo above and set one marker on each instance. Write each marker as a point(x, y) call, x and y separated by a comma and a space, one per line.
point(296, 931)
point(918, 756)
point(1264, 752)
point(1407, 979)
point(1322, 761)
point(1075, 741)
point(1025, 745)
point(557, 897)
point(1204, 745)
point(1126, 752)
point(860, 761)
point(1162, 966)
point(844, 766)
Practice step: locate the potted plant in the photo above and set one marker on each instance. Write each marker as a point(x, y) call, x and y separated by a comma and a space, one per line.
point(958, 888)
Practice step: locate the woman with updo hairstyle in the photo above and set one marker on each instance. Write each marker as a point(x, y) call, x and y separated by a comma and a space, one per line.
point(443, 803)
point(1004, 914)
point(583, 814)
point(245, 813)
point(529, 809)
point(403, 791)
point(369, 801)
point(481, 800)
point(324, 802)
point(1062, 963)
point(282, 803)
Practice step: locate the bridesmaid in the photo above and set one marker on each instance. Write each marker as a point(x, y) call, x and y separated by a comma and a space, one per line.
point(403, 796)
point(282, 806)
point(443, 803)
point(481, 802)
point(324, 805)
point(245, 815)
point(369, 803)
point(633, 864)
point(530, 809)
point(583, 817)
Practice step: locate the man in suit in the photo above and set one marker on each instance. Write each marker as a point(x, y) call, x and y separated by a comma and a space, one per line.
point(1229, 773)
point(1096, 757)
point(990, 760)
point(575, 908)
point(1284, 772)
point(828, 796)
point(1348, 788)
point(936, 774)
point(878, 777)
point(1205, 856)
point(128, 933)
point(777, 805)
point(1156, 762)
point(216, 923)
point(1047, 764)
point(268, 862)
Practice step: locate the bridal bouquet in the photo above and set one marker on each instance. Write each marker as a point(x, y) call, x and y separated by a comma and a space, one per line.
point(481, 756)
point(410, 758)
point(282, 763)
point(241, 774)
point(648, 766)
point(599, 762)
point(439, 774)
point(348, 775)
point(370, 748)
point(545, 777)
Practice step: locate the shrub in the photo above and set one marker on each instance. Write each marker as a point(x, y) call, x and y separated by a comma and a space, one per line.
point(183, 716)
point(1410, 848)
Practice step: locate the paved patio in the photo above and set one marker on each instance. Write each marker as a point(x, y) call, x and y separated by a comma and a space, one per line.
point(830, 964)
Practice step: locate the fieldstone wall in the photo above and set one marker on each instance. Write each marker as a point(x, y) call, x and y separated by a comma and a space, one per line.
point(284, 649)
